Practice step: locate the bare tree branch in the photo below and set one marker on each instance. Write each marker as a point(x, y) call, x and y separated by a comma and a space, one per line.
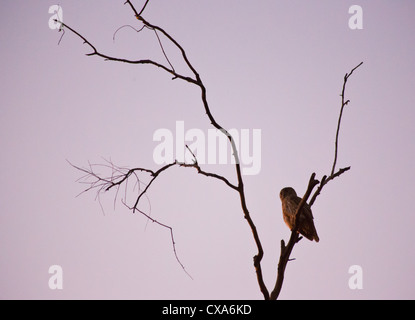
point(142, 61)
point(120, 176)
point(287, 249)
point(258, 257)
point(344, 103)
point(124, 26)
point(195, 165)
point(198, 82)
point(133, 8)
point(168, 36)
point(333, 174)
point(324, 181)
point(171, 235)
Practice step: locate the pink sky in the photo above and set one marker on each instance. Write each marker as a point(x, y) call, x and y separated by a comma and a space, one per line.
point(277, 66)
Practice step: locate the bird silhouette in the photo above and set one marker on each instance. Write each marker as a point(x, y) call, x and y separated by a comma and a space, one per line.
point(290, 202)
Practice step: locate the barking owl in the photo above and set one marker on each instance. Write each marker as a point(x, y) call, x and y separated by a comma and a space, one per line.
point(290, 202)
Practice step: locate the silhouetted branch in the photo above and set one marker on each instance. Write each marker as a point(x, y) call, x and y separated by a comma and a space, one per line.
point(324, 181)
point(133, 8)
point(124, 26)
point(142, 61)
point(120, 176)
point(258, 257)
point(195, 165)
point(171, 235)
point(287, 249)
point(344, 103)
point(333, 174)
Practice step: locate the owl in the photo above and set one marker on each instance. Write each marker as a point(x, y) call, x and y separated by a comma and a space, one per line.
point(290, 202)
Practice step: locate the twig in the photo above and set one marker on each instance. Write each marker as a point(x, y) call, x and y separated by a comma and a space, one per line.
point(171, 235)
point(195, 165)
point(344, 103)
point(121, 176)
point(154, 175)
point(334, 174)
point(133, 8)
point(124, 26)
point(117, 178)
point(324, 181)
point(143, 61)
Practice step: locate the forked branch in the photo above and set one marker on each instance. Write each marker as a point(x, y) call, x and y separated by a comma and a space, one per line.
point(287, 249)
point(344, 103)
point(120, 176)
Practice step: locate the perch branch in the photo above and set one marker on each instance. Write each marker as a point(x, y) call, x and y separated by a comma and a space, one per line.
point(287, 249)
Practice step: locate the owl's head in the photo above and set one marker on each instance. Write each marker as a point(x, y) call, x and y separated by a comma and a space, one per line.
point(287, 192)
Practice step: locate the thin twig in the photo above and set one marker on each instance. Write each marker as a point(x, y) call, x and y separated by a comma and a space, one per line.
point(124, 26)
point(142, 9)
point(133, 8)
point(142, 61)
point(162, 49)
point(164, 226)
point(344, 103)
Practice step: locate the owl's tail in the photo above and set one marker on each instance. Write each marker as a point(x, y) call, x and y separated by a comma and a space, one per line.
point(309, 231)
point(314, 233)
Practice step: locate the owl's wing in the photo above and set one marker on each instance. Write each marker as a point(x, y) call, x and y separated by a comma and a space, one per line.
point(306, 210)
point(306, 218)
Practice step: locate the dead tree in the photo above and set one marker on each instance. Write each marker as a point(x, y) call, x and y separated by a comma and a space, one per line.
point(120, 176)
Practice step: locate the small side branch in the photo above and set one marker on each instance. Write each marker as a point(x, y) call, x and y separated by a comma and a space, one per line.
point(154, 176)
point(334, 174)
point(195, 165)
point(95, 52)
point(171, 235)
point(344, 103)
point(134, 9)
point(324, 181)
point(120, 176)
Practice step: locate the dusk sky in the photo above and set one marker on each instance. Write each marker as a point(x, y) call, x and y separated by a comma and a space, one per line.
point(271, 67)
